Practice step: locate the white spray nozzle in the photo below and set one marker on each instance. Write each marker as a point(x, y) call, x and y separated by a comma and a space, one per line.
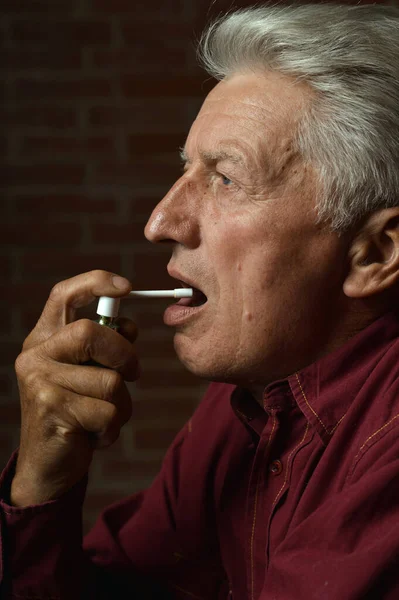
point(178, 293)
point(109, 307)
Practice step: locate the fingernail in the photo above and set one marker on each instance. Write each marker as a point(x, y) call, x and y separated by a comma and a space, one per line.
point(120, 282)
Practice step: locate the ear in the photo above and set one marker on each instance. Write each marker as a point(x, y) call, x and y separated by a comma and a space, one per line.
point(374, 255)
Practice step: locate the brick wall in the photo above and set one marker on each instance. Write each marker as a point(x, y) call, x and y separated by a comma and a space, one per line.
point(97, 96)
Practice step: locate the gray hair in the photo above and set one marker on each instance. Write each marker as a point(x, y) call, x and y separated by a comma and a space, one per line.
point(349, 56)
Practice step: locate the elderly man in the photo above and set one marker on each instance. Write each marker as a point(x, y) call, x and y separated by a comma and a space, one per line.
point(285, 483)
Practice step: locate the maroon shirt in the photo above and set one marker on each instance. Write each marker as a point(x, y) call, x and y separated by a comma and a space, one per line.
point(297, 501)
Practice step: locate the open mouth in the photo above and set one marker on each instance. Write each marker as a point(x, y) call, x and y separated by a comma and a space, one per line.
point(198, 298)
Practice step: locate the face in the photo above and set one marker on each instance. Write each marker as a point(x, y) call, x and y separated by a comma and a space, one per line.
point(241, 222)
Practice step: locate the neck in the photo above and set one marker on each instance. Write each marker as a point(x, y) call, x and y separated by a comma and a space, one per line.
point(358, 319)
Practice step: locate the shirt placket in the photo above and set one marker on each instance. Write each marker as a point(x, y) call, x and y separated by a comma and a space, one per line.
point(257, 482)
point(288, 460)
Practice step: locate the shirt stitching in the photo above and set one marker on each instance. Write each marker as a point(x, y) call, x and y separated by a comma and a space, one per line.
point(306, 400)
point(288, 463)
point(255, 507)
point(328, 431)
point(357, 457)
point(337, 423)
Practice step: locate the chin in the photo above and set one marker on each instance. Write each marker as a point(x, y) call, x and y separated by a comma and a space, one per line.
point(196, 359)
point(204, 364)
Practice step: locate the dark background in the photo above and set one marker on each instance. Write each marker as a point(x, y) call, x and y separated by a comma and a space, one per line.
point(96, 98)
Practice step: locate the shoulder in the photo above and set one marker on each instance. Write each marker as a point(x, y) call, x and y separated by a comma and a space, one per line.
point(378, 435)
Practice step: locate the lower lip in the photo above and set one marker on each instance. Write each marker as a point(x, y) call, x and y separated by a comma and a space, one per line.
point(177, 314)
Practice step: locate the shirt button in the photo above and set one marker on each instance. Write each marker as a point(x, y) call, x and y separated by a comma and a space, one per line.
point(276, 467)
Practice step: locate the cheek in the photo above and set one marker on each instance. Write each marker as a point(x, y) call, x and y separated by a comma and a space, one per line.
point(242, 268)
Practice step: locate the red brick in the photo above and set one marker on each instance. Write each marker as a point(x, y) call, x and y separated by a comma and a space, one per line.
point(147, 115)
point(157, 349)
point(167, 86)
point(119, 234)
point(65, 204)
point(5, 268)
point(26, 293)
point(3, 145)
point(30, 315)
point(149, 410)
point(32, 89)
point(5, 385)
point(170, 37)
point(65, 265)
point(57, 174)
point(39, 234)
point(131, 468)
point(165, 378)
point(7, 444)
point(32, 116)
point(53, 32)
point(39, 6)
point(34, 59)
point(6, 328)
point(144, 171)
point(10, 413)
point(154, 144)
point(139, 204)
point(122, 60)
point(155, 439)
point(8, 353)
point(39, 146)
point(137, 8)
point(152, 266)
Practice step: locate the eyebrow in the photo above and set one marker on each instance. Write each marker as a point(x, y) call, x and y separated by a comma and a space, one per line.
point(213, 156)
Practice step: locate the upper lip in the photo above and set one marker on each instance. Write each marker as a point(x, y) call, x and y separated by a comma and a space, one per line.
point(183, 279)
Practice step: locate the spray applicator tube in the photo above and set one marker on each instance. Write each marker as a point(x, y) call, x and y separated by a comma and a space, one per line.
point(108, 308)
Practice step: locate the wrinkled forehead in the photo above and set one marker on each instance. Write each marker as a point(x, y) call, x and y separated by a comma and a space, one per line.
point(258, 112)
point(261, 91)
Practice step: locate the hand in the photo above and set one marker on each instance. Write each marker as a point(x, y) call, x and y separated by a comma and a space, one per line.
point(68, 409)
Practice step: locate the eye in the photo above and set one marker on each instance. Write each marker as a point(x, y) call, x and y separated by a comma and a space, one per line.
point(226, 181)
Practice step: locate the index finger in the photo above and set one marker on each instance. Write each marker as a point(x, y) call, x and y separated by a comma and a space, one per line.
point(69, 295)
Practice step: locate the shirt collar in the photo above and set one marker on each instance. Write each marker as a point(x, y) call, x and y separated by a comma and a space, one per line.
point(277, 396)
point(325, 390)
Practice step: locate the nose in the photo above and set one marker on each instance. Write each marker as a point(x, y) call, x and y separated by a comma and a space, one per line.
point(176, 218)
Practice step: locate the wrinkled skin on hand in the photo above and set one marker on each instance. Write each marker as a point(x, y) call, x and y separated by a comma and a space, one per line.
point(69, 409)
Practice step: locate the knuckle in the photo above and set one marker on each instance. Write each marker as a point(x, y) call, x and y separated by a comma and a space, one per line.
point(20, 364)
point(113, 383)
point(83, 329)
point(46, 400)
point(34, 373)
point(100, 275)
point(57, 291)
point(26, 367)
point(29, 341)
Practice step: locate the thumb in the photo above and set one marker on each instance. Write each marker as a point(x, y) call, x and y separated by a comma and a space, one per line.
point(69, 295)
